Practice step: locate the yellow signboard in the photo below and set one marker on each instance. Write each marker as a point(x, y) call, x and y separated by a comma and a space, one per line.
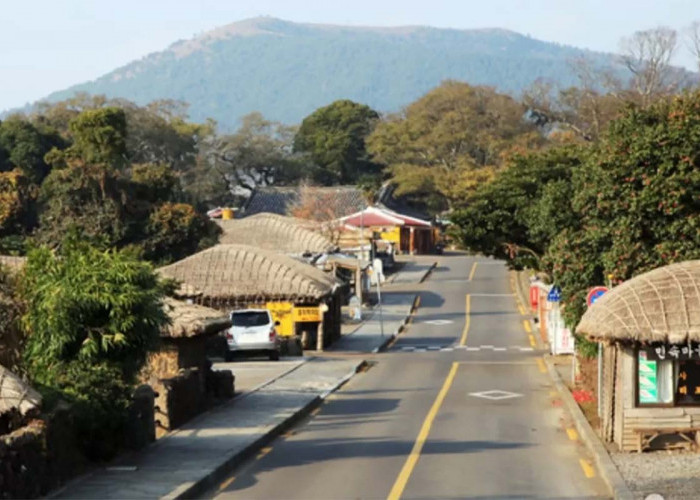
point(304, 314)
point(282, 312)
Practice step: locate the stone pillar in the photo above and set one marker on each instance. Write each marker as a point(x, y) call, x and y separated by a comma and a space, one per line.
point(319, 335)
point(412, 242)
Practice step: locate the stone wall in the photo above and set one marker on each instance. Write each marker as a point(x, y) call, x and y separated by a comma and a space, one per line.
point(188, 394)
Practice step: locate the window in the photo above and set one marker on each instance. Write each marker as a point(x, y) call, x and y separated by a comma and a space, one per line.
point(250, 318)
point(667, 382)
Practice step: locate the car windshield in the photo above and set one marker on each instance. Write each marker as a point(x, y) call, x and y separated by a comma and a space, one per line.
point(250, 318)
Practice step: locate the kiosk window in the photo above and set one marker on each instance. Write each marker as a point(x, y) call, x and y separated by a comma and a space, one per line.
point(655, 380)
point(667, 381)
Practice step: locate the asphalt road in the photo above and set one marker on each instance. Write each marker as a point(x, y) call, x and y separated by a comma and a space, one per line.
point(459, 407)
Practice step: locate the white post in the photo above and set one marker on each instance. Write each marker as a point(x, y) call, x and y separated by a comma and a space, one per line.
point(379, 298)
point(600, 379)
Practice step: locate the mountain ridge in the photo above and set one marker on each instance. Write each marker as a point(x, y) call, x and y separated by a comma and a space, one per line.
point(285, 69)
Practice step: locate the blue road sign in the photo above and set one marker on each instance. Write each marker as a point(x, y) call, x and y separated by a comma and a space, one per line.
point(554, 294)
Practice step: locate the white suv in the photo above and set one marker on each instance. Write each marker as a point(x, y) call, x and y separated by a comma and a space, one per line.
point(253, 331)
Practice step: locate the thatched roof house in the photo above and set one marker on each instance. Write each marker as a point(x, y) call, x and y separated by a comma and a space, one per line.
point(15, 394)
point(191, 320)
point(229, 274)
point(662, 305)
point(277, 233)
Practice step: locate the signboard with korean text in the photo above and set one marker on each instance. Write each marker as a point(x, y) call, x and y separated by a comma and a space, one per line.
point(306, 314)
point(688, 383)
point(672, 352)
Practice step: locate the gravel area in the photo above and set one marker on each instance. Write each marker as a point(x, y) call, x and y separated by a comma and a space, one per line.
point(670, 474)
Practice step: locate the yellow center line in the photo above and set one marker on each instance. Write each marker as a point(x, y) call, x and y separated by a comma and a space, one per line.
point(521, 309)
point(540, 365)
point(412, 459)
point(532, 340)
point(573, 435)
point(472, 272)
point(263, 452)
point(467, 320)
point(588, 469)
point(227, 483)
point(526, 325)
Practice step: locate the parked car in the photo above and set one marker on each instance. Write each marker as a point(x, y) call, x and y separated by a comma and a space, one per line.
point(253, 332)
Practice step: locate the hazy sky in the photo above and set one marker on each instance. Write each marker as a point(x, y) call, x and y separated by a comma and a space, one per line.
point(47, 45)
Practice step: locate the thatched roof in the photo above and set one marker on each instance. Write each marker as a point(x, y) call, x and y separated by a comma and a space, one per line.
point(234, 273)
point(14, 264)
point(662, 305)
point(274, 232)
point(190, 320)
point(16, 394)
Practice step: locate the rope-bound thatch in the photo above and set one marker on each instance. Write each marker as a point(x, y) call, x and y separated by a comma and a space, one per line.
point(13, 264)
point(226, 274)
point(662, 305)
point(274, 232)
point(16, 394)
point(190, 320)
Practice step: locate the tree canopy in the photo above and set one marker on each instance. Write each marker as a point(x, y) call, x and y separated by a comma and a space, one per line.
point(334, 136)
point(451, 140)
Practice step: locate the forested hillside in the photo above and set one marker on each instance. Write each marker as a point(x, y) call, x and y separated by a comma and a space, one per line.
point(286, 70)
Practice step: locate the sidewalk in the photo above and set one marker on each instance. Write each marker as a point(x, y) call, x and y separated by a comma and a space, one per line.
point(396, 308)
point(414, 270)
point(197, 456)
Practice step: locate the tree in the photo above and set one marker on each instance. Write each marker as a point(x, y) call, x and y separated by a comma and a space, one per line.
point(334, 136)
point(452, 139)
point(323, 208)
point(258, 154)
point(17, 210)
point(91, 319)
point(636, 201)
point(693, 41)
point(515, 216)
point(176, 230)
point(99, 136)
point(25, 146)
point(89, 198)
point(647, 55)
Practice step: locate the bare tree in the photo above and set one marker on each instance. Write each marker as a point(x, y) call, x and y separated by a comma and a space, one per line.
point(647, 55)
point(693, 41)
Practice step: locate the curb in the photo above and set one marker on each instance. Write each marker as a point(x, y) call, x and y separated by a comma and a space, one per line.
point(428, 272)
point(401, 327)
point(608, 471)
point(201, 486)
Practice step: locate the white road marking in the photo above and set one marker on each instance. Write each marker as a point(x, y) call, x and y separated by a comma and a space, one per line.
point(499, 348)
point(526, 349)
point(487, 347)
point(495, 395)
point(447, 349)
point(473, 348)
point(438, 322)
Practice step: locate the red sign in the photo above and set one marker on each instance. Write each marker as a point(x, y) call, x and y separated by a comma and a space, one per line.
point(594, 294)
point(534, 297)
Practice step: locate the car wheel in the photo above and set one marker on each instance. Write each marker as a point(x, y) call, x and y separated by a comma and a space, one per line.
point(274, 356)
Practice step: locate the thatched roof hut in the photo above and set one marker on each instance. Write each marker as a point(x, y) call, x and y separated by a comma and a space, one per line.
point(191, 320)
point(662, 305)
point(226, 274)
point(15, 394)
point(276, 233)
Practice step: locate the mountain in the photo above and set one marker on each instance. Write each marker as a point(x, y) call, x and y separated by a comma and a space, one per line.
point(285, 70)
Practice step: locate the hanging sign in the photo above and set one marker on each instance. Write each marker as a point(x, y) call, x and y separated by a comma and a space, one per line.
point(594, 294)
point(554, 294)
